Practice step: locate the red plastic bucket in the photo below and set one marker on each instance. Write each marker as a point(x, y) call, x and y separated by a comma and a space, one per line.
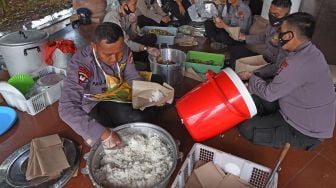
point(216, 105)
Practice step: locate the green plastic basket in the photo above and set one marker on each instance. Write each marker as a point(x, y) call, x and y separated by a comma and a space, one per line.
point(216, 59)
point(22, 82)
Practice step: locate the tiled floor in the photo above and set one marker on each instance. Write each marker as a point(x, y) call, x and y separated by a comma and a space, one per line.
point(300, 168)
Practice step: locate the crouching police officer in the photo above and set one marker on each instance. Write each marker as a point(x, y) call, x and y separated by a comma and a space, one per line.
point(298, 105)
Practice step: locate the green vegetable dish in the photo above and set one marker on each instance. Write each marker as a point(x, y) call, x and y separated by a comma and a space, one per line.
point(159, 32)
point(209, 62)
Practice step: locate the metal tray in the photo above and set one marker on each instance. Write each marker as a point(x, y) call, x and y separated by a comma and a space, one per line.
point(13, 169)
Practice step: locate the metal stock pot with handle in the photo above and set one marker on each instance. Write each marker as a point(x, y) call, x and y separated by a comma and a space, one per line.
point(169, 65)
point(96, 155)
point(23, 51)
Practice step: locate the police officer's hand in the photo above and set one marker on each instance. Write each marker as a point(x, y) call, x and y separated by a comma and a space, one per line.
point(132, 18)
point(219, 23)
point(245, 75)
point(165, 19)
point(110, 139)
point(241, 36)
point(275, 39)
point(154, 52)
point(180, 7)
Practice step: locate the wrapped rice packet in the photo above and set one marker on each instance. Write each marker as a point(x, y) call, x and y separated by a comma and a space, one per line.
point(146, 94)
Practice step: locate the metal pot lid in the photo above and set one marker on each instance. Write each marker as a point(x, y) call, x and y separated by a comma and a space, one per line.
point(13, 169)
point(20, 38)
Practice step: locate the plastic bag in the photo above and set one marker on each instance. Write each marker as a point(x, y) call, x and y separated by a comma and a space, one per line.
point(65, 46)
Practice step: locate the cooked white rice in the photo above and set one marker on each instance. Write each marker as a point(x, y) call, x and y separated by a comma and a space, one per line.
point(143, 162)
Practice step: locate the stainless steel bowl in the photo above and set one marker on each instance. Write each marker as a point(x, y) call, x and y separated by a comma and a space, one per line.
point(94, 156)
point(171, 73)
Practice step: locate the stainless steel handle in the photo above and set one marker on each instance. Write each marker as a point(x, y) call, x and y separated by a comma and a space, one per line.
point(25, 51)
point(23, 34)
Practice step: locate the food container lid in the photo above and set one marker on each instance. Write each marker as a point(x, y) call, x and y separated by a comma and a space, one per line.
point(50, 79)
point(20, 38)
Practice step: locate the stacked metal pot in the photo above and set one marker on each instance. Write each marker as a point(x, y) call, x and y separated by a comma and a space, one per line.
point(23, 51)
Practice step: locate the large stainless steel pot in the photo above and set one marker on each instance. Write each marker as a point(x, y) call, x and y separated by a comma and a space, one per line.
point(171, 73)
point(23, 51)
point(94, 157)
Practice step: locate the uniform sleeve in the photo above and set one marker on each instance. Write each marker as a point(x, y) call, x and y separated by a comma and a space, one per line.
point(267, 71)
point(288, 79)
point(246, 21)
point(134, 46)
point(259, 38)
point(141, 6)
point(111, 17)
point(70, 104)
point(159, 9)
point(225, 15)
point(130, 72)
point(256, 39)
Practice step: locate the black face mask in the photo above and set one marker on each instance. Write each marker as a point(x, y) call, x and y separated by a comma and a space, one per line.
point(128, 11)
point(274, 21)
point(282, 41)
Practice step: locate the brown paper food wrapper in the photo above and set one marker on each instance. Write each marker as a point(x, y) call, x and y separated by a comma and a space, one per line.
point(146, 94)
point(190, 73)
point(250, 64)
point(233, 32)
point(46, 158)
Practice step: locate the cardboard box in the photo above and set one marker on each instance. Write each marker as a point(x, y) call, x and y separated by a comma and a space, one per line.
point(209, 175)
point(232, 181)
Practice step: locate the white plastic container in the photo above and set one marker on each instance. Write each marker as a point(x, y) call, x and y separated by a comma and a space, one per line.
point(253, 173)
point(169, 40)
point(38, 102)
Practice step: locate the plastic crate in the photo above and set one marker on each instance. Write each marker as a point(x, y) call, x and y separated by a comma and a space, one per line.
point(169, 40)
point(38, 102)
point(255, 174)
point(218, 60)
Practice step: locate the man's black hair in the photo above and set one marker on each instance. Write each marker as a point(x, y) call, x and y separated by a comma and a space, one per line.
point(303, 22)
point(282, 3)
point(108, 31)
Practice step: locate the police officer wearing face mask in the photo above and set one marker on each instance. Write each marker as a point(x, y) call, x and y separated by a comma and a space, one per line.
point(298, 105)
point(273, 54)
point(125, 17)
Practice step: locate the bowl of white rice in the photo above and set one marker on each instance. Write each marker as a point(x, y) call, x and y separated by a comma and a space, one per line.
point(147, 159)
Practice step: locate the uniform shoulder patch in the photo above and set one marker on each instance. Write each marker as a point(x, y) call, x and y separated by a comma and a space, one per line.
point(283, 66)
point(83, 74)
point(240, 14)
